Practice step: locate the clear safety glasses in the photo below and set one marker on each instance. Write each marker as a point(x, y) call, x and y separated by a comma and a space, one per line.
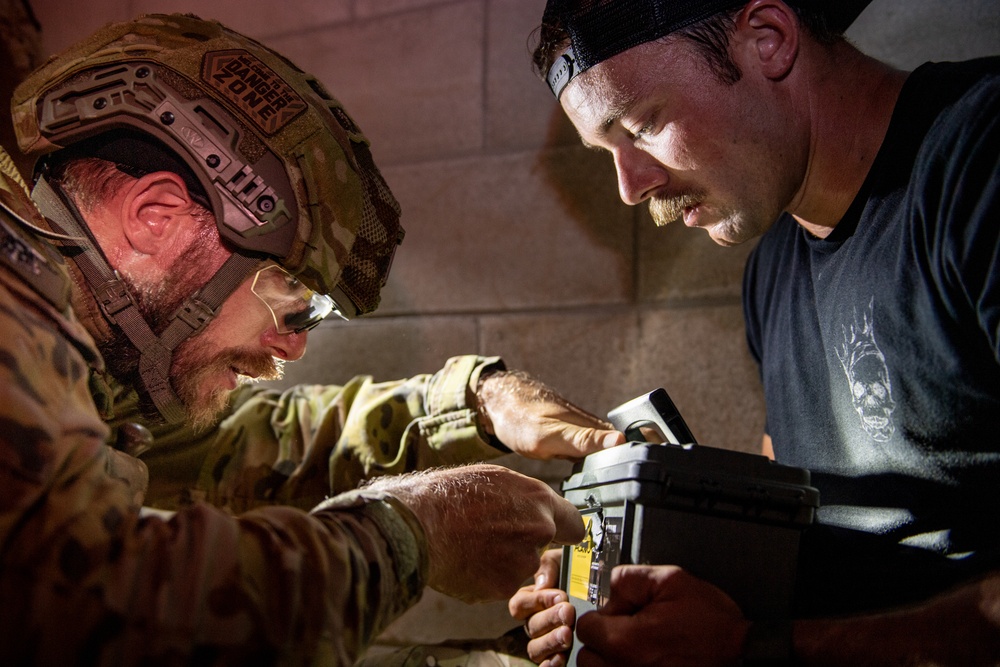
point(294, 307)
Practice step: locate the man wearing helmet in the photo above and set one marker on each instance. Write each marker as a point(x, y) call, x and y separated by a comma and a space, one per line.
point(215, 203)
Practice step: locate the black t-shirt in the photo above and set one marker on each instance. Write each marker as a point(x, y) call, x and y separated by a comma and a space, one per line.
point(879, 349)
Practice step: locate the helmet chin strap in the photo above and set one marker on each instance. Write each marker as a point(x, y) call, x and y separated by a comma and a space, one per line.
point(119, 307)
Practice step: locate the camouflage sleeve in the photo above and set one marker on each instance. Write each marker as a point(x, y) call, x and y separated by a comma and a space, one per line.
point(299, 446)
point(85, 578)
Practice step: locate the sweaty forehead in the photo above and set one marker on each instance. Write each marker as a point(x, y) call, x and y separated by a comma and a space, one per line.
point(600, 97)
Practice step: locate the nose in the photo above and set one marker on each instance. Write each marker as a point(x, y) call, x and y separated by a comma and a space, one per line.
point(639, 175)
point(288, 346)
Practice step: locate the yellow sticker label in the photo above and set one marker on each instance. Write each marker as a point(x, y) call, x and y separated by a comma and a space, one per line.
point(580, 564)
point(253, 87)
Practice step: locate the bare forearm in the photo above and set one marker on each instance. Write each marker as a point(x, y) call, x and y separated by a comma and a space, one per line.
point(960, 629)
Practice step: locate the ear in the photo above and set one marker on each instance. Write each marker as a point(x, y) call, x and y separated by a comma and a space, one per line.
point(770, 31)
point(156, 211)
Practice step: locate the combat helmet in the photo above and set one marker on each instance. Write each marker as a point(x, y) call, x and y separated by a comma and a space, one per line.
point(286, 171)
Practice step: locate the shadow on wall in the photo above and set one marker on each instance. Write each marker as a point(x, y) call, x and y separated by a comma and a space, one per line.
point(576, 175)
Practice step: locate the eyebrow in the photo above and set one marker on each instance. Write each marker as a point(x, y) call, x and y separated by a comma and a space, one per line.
point(615, 113)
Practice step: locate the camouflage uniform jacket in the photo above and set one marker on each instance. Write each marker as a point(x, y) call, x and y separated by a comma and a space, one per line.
point(301, 445)
point(86, 578)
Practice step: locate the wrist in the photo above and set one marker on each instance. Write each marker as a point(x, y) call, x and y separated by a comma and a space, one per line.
point(482, 394)
point(487, 386)
point(768, 643)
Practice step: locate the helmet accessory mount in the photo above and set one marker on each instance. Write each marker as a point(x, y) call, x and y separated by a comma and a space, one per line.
point(285, 170)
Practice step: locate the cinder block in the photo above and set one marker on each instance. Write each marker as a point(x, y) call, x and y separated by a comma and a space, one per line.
point(412, 81)
point(520, 110)
point(602, 359)
point(366, 9)
point(699, 355)
point(385, 348)
point(586, 355)
point(509, 232)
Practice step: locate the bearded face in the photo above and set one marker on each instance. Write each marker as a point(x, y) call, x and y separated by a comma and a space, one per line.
point(196, 361)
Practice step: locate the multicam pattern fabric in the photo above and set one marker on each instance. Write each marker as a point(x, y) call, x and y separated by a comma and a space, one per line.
point(348, 223)
point(301, 445)
point(87, 578)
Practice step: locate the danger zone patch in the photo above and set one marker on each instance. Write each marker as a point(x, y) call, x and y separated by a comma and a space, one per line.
point(253, 87)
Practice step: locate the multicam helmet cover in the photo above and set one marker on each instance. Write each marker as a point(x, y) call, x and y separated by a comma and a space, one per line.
point(286, 170)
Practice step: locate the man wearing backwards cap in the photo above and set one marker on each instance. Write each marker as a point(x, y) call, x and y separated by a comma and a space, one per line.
point(199, 204)
point(870, 303)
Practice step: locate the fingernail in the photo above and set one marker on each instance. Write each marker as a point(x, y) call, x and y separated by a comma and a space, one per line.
point(540, 580)
point(611, 440)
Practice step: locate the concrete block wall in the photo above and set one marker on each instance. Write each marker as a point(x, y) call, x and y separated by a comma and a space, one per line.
point(517, 243)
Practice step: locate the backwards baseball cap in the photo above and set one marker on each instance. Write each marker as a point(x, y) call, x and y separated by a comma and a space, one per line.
point(600, 29)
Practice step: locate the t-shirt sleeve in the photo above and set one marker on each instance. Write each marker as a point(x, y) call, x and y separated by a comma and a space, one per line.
point(960, 172)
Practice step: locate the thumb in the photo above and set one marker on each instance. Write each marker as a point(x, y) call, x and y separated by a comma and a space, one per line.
point(547, 575)
point(568, 522)
point(587, 440)
point(631, 589)
point(611, 439)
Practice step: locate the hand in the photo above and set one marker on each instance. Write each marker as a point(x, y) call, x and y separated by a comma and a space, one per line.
point(536, 422)
point(485, 525)
point(548, 615)
point(661, 615)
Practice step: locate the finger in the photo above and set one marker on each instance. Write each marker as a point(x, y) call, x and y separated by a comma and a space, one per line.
point(631, 588)
point(590, 440)
point(550, 645)
point(574, 441)
point(561, 615)
point(588, 657)
point(547, 575)
point(650, 434)
point(569, 524)
point(527, 602)
point(523, 603)
point(606, 635)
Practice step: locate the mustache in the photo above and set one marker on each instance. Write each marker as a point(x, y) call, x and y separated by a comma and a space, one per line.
point(665, 210)
point(253, 365)
point(194, 364)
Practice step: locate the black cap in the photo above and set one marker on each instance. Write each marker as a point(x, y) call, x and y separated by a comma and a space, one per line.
point(600, 29)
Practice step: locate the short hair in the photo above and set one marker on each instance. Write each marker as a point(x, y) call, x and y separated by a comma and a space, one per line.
point(92, 181)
